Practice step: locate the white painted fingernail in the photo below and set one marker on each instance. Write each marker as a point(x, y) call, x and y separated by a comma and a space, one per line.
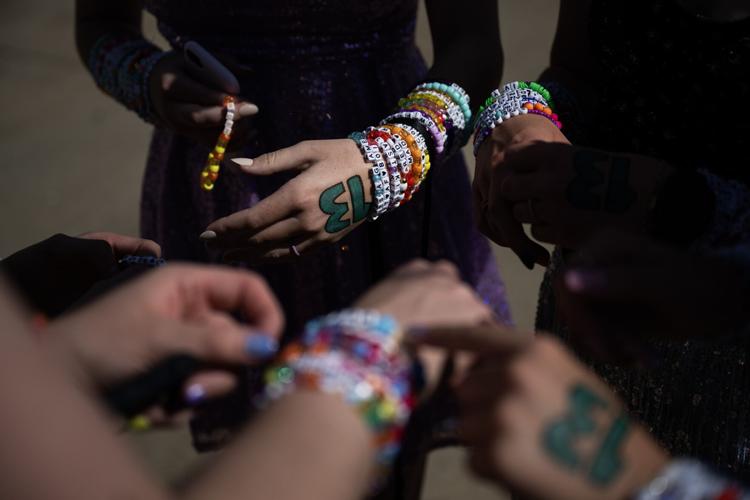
point(243, 162)
point(208, 235)
point(247, 109)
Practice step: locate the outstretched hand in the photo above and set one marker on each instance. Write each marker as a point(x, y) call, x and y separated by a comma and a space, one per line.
point(328, 198)
point(535, 420)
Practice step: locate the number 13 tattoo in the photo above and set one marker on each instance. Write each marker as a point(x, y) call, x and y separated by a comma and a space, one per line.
point(338, 210)
point(559, 438)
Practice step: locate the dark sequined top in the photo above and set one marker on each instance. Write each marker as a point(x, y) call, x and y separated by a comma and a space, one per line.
point(677, 87)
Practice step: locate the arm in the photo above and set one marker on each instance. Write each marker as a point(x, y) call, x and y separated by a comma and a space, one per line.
point(467, 45)
point(313, 438)
point(571, 75)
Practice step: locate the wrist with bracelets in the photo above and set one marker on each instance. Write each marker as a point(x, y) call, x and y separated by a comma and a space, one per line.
point(121, 66)
point(690, 480)
point(514, 99)
point(355, 355)
point(429, 124)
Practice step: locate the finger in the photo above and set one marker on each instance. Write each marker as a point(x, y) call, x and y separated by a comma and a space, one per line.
point(447, 268)
point(279, 234)
point(192, 116)
point(186, 90)
point(231, 290)
point(234, 230)
point(289, 253)
point(126, 245)
point(207, 385)
point(544, 232)
point(297, 157)
point(495, 339)
point(520, 187)
point(516, 239)
point(502, 221)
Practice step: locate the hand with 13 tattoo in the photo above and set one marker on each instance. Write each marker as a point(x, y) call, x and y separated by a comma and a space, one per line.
point(328, 199)
point(538, 422)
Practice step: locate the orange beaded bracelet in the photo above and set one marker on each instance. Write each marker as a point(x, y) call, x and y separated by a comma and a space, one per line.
point(210, 172)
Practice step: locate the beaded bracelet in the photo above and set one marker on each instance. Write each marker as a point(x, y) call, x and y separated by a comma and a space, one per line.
point(121, 67)
point(515, 99)
point(355, 355)
point(210, 172)
point(691, 480)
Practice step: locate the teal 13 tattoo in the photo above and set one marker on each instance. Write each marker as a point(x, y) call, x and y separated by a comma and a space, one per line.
point(338, 210)
point(600, 183)
point(560, 437)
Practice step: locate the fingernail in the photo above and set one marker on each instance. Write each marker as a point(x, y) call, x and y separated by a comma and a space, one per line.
point(140, 423)
point(195, 394)
point(247, 109)
point(243, 163)
point(582, 281)
point(261, 346)
point(208, 235)
point(528, 261)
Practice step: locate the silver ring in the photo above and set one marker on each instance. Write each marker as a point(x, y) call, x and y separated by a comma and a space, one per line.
point(294, 250)
point(532, 214)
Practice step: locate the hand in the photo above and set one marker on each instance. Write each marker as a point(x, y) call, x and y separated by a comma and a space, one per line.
point(179, 309)
point(621, 290)
point(424, 294)
point(421, 295)
point(327, 200)
point(499, 225)
point(189, 107)
point(538, 422)
point(568, 194)
point(126, 245)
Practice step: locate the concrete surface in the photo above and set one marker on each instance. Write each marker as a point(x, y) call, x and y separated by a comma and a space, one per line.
point(72, 161)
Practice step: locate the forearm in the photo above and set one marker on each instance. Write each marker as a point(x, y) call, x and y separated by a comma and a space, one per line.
point(307, 445)
point(57, 443)
point(471, 56)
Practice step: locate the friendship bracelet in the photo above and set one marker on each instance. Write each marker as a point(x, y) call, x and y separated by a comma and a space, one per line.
point(121, 67)
point(210, 172)
point(515, 99)
point(355, 355)
point(431, 120)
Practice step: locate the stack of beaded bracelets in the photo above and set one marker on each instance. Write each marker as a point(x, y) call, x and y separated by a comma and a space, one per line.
point(354, 355)
point(121, 67)
point(213, 164)
point(401, 150)
point(516, 98)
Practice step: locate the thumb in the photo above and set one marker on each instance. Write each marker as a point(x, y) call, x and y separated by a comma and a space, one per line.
point(298, 157)
point(491, 339)
point(221, 342)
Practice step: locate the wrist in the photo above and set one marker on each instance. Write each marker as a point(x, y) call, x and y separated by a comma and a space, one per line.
point(355, 356)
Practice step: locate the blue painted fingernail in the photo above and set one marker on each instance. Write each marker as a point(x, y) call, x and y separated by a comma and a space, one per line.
point(261, 346)
point(195, 394)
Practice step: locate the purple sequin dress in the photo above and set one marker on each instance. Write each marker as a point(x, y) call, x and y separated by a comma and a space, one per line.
point(318, 69)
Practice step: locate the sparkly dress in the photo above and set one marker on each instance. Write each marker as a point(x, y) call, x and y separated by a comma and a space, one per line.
point(677, 87)
point(317, 69)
